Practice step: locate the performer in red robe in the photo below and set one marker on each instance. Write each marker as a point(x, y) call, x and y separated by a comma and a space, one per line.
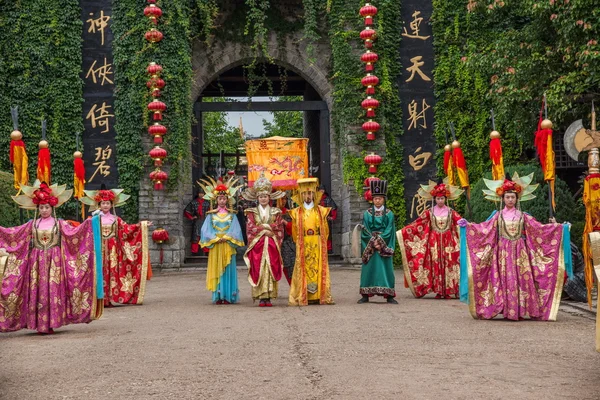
point(430, 245)
point(125, 261)
point(265, 235)
point(195, 211)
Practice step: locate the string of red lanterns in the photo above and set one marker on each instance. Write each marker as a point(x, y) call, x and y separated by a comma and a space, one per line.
point(155, 84)
point(370, 104)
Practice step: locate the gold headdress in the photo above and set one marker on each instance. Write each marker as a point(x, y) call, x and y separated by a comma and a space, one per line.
point(432, 189)
point(262, 186)
point(213, 189)
point(93, 198)
point(520, 185)
point(41, 193)
point(307, 185)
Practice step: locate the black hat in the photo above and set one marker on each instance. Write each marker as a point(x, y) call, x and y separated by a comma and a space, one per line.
point(378, 188)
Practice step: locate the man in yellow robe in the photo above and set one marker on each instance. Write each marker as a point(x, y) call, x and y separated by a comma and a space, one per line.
point(310, 280)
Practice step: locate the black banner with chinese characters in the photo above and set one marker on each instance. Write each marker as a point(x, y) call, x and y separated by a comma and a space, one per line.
point(99, 142)
point(417, 99)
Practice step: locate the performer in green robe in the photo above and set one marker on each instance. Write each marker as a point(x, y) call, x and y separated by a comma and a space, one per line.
point(378, 240)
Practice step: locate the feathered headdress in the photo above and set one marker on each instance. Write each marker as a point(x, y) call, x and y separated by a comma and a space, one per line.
point(262, 186)
point(41, 193)
point(212, 189)
point(432, 190)
point(93, 198)
point(520, 185)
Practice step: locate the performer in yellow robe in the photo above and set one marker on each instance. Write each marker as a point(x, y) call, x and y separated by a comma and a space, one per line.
point(310, 280)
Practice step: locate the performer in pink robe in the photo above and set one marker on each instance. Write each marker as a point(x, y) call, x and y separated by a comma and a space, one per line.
point(265, 235)
point(51, 271)
point(511, 264)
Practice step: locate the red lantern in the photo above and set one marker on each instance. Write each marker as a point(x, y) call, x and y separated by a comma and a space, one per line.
point(367, 182)
point(370, 81)
point(160, 235)
point(157, 107)
point(153, 12)
point(370, 104)
point(368, 12)
point(153, 36)
point(155, 84)
point(158, 176)
point(369, 58)
point(157, 131)
point(158, 154)
point(368, 195)
point(370, 127)
point(373, 160)
point(368, 35)
point(154, 69)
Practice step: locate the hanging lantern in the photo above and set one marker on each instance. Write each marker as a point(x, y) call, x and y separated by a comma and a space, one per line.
point(157, 131)
point(160, 236)
point(370, 104)
point(158, 154)
point(368, 35)
point(368, 195)
point(155, 84)
point(368, 12)
point(159, 177)
point(367, 182)
point(373, 160)
point(154, 69)
point(153, 12)
point(371, 127)
point(369, 58)
point(370, 81)
point(157, 107)
point(153, 36)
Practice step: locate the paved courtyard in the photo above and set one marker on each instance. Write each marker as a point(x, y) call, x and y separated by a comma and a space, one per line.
point(180, 346)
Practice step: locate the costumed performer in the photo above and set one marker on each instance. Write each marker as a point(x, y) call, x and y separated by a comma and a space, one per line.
point(310, 279)
point(51, 271)
point(430, 245)
point(512, 264)
point(378, 240)
point(126, 264)
point(265, 236)
point(288, 247)
point(222, 234)
point(327, 201)
point(196, 211)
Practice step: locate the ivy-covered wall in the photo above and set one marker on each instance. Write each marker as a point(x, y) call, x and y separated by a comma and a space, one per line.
point(40, 63)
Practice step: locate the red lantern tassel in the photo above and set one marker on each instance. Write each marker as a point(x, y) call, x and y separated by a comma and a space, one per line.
point(158, 186)
point(157, 116)
point(370, 113)
point(43, 169)
point(368, 21)
point(372, 169)
point(369, 67)
point(78, 178)
point(370, 90)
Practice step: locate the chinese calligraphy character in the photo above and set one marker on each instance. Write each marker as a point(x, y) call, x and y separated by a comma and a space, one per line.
point(415, 68)
point(415, 115)
point(420, 160)
point(99, 24)
point(415, 27)
point(101, 72)
point(419, 204)
point(99, 116)
point(101, 157)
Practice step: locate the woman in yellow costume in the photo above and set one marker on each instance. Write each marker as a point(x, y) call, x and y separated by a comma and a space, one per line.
point(222, 234)
point(310, 280)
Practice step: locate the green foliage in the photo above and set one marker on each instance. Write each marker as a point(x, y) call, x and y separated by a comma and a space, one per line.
point(40, 60)
point(9, 211)
point(285, 123)
point(567, 209)
point(131, 57)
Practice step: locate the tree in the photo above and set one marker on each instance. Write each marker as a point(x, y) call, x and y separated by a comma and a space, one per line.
point(285, 123)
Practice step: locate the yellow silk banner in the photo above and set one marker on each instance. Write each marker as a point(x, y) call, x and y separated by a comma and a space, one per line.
point(283, 160)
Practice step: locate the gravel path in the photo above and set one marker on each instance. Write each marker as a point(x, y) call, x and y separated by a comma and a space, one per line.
point(180, 346)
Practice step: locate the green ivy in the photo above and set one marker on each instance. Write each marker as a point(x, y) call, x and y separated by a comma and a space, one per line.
point(40, 48)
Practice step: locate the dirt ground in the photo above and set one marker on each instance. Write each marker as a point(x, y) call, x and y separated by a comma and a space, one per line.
point(180, 346)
